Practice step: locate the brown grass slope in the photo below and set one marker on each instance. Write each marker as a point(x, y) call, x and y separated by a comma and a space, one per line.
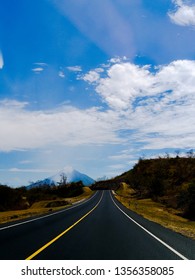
point(44, 206)
point(162, 190)
point(155, 211)
point(170, 181)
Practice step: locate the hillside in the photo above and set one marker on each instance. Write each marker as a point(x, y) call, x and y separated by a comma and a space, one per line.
point(43, 206)
point(23, 198)
point(170, 181)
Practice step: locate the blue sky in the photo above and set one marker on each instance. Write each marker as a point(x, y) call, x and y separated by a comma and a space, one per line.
point(94, 85)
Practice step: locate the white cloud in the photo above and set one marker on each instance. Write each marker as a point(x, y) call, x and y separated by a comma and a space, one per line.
point(12, 104)
point(33, 170)
point(117, 59)
point(1, 60)
point(39, 67)
point(154, 109)
point(125, 81)
point(37, 70)
point(41, 63)
point(184, 14)
point(99, 70)
point(61, 74)
point(92, 76)
point(158, 107)
point(74, 68)
point(23, 129)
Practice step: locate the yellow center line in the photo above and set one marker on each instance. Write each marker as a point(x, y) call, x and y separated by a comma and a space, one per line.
point(64, 232)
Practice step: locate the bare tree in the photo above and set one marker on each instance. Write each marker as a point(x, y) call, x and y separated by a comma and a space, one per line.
point(177, 153)
point(63, 179)
point(190, 153)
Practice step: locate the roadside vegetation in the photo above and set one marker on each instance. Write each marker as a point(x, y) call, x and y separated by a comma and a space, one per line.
point(155, 211)
point(18, 203)
point(161, 189)
point(170, 181)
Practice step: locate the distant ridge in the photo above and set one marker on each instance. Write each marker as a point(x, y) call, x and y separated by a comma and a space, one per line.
point(69, 173)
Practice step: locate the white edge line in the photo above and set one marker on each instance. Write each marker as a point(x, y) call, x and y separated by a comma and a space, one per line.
point(154, 236)
point(48, 215)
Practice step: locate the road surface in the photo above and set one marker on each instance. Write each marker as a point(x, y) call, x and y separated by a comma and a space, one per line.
point(97, 229)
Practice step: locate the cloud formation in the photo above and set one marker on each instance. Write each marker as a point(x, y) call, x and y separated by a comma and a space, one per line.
point(157, 105)
point(61, 74)
point(91, 76)
point(39, 67)
point(37, 70)
point(76, 68)
point(152, 108)
point(23, 129)
point(184, 14)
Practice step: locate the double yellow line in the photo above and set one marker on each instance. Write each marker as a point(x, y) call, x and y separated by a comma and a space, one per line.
point(64, 232)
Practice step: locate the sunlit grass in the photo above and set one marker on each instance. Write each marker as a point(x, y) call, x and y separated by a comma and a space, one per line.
point(41, 207)
point(156, 212)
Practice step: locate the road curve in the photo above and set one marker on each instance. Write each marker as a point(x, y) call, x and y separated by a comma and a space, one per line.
point(98, 229)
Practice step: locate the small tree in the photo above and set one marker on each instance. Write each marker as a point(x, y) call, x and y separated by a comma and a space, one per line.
point(63, 180)
point(190, 153)
point(177, 153)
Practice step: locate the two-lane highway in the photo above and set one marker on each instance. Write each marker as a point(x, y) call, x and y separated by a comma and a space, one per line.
point(19, 240)
point(98, 229)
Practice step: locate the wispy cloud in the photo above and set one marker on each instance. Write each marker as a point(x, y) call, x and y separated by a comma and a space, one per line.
point(9, 104)
point(1, 60)
point(37, 70)
point(29, 170)
point(39, 67)
point(97, 19)
point(91, 76)
point(69, 126)
point(184, 14)
point(61, 74)
point(74, 68)
point(43, 64)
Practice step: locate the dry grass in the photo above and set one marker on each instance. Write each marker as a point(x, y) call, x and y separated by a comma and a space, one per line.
point(156, 212)
point(39, 208)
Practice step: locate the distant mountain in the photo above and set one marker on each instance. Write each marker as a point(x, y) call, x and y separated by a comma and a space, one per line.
point(67, 173)
point(103, 178)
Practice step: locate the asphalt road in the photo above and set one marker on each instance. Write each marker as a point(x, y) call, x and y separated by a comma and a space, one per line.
point(97, 229)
